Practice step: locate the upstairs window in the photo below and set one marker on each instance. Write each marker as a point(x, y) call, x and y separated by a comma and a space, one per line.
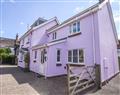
point(54, 35)
point(75, 27)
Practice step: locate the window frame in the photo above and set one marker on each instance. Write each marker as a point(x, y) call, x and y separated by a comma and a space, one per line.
point(35, 54)
point(54, 35)
point(76, 28)
point(58, 62)
point(77, 56)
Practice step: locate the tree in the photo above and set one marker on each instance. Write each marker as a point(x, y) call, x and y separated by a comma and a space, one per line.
point(27, 59)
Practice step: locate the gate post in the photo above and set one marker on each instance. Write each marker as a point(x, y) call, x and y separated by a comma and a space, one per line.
point(68, 78)
point(98, 76)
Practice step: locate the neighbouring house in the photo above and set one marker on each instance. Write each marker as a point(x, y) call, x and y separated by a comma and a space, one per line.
point(87, 38)
point(7, 43)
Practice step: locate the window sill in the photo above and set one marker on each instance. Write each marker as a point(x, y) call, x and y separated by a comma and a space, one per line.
point(27, 42)
point(34, 61)
point(75, 34)
point(58, 64)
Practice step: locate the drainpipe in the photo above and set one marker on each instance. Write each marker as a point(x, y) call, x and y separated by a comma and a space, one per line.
point(93, 26)
point(97, 67)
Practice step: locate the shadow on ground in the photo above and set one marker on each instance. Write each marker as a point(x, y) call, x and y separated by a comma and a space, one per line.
point(51, 86)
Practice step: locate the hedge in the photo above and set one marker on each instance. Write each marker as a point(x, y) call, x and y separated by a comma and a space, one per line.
point(7, 59)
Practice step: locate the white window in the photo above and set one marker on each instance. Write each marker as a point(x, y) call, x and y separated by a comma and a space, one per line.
point(76, 56)
point(69, 56)
point(21, 57)
point(22, 42)
point(54, 35)
point(75, 27)
point(58, 55)
point(35, 55)
point(43, 56)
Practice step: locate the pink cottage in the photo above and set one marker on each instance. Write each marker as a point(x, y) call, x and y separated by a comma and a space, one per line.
point(87, 38)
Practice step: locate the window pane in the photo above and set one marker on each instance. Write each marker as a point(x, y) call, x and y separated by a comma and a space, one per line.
point(78, 26)
point(58, 52)
point(55, 35)
point(81, 56)
point(58, 55)
point(75, 56)
point(35, 54)
point(58, 58)
point(70, 29)
point(74, 27)
point(69, 56)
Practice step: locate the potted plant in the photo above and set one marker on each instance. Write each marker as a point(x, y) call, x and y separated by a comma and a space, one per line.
point(27, 61)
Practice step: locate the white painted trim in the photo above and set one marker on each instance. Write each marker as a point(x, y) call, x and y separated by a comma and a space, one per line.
point(58, 62)
point(39, 46)
point(57, 42)
point(78, 56)
point(41, 25)
point(74, 19)
point(103, 3)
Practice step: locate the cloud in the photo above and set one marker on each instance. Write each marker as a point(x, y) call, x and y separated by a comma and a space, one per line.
point(12, 1)
point(21, 23)
point(2, 1)
point(1, 33)
point(117, 18)
point(114, 1)
point(78, 9)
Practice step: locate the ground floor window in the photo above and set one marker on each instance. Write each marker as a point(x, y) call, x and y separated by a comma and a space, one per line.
point(21, 57)
point(76, 56)
point(43, 55)
point(58, 55)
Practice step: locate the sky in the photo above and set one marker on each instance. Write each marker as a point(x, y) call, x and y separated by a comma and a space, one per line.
point(17, 15)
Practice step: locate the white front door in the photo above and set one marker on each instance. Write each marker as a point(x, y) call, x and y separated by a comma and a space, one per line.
point(43, 57)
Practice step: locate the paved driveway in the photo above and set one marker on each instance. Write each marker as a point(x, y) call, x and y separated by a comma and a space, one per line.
point(13, 81)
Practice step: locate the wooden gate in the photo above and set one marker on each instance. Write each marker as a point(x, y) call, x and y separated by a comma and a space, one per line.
point(80, 77)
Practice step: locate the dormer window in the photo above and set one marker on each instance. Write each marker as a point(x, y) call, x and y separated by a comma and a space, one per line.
point(54, 35)
point(75, 27)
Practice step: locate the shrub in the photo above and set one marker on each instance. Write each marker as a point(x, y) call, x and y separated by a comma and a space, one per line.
point(27, 59)
point(5, 56)
point(7, 59)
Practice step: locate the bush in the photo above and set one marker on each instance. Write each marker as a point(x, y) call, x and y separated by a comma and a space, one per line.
point(5, 56)
point(27, 59)
point(7, 59)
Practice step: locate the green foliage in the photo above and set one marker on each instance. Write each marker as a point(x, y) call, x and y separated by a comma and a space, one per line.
point(5, 56)
point(5, 51)
point(27, 59)
point(2, 50)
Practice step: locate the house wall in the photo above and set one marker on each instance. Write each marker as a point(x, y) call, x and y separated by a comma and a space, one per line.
point(52, 69)
point(39, 37)
point(84, 40)
point(21, 61)
point(108, 46)
point(61, 33)
point(40, 33)
point(81, 41)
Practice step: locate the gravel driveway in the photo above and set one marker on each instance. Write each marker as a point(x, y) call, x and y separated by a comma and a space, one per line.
point(13, 81)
